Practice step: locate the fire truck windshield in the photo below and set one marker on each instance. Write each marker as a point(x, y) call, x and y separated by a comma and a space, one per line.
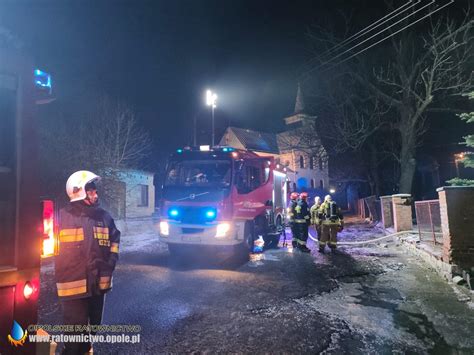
point(199, 173)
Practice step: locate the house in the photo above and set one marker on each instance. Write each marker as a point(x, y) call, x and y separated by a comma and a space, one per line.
point(129, 193)
point(298, 148)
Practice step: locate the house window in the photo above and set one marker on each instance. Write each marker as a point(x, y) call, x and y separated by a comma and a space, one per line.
point(288, 186)
point(312, 183)
point(294, 186)
point(143, 196)
point(312, 163)
point(321, 184)
point(320, 164)
point(301, 162)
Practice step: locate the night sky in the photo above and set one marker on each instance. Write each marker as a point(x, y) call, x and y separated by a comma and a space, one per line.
point(160, 56)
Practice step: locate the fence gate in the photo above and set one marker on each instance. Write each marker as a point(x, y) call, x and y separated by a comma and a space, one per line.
point(428, 219)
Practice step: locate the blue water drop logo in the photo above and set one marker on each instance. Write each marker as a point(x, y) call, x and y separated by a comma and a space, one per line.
point(18, 335)
point(17, 331)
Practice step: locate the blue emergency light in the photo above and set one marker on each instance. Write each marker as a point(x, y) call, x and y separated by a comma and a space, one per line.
point(173, 212)
point(42, 80)
point(211, 214)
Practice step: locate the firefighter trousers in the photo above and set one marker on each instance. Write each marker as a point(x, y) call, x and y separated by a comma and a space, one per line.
point(294, 232)
point(329, 235)
point(317, 228)
point(301, 233)
point(83, 312)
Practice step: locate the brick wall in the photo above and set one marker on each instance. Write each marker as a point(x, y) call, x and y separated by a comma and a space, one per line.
point(457, 223)
point(402, 215)
point(386, 206)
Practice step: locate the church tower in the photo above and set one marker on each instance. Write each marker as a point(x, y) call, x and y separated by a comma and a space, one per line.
point(299, 117)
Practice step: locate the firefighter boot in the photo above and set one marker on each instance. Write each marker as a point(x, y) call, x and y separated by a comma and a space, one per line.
point(304, 249)
point(321, 249)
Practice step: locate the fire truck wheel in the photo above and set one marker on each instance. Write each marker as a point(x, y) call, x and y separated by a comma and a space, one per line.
point(249, 235)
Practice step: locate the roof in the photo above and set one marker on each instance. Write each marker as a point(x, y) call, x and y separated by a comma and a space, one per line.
point(258, 141)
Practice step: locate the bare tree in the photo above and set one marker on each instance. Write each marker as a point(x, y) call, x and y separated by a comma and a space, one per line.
point(104, 137)
point(393, 100)
point(416, 77)
point(111, 138)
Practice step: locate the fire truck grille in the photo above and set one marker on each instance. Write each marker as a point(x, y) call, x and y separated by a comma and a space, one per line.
point(192, 230)
point(193, 215)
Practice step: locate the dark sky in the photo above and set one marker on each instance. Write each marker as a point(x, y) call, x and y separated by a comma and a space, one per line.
point(159, 56)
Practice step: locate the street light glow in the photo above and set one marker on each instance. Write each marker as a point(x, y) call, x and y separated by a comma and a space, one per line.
point(211, 98)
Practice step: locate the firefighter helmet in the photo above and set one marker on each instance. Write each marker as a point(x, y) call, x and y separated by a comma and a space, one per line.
point(304, 195)
point(76, 184)
point(294, 196)
point(327, 198)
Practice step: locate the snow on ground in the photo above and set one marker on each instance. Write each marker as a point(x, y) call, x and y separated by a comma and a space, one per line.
point(136, 242)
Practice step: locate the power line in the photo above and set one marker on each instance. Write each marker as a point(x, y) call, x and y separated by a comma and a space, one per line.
point(370, 27)
point(391, 35)
point(362, 32)
point(381, 31)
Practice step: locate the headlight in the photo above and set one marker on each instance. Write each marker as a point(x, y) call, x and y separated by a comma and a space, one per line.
point(222, 230)
point(164, 228)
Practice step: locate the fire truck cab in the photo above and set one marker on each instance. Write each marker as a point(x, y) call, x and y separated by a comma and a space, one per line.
point(21, 223)
point(221, 197)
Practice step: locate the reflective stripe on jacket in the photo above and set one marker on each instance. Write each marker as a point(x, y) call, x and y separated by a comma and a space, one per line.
point(302, 212)
point(88, 251)
point(314, 212)
point(291, 211)
point(324, 211)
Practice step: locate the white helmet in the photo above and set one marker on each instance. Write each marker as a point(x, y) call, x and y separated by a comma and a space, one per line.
point(76, 184)
point(327, 198)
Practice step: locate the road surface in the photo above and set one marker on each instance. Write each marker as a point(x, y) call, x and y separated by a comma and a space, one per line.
point(362, 300)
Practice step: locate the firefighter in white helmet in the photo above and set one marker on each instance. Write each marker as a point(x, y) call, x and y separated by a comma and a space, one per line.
point(88, 252)
point(332, 223)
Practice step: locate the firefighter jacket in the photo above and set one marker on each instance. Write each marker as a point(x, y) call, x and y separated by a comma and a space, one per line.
point(331, 213)
point(291, 211)
point(88, 251)
point(302, 214)
point(315, 214)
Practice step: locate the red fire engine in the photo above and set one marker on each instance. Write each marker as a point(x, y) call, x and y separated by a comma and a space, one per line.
point(221, 197)
point(22, 230)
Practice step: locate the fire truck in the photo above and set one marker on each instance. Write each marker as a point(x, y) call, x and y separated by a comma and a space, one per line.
point(221, 196)
point(26, 223)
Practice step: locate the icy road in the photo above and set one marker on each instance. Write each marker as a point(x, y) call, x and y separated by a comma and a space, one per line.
point(363, 300)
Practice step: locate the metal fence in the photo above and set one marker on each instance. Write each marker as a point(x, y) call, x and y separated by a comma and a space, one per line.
point(369, 207)
point(428, 219)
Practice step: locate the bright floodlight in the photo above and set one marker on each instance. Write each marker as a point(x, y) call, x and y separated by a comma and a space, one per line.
point(211, 98)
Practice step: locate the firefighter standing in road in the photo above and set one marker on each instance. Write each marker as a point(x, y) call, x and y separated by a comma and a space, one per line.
point(291, 217)
point(332, 222)
point(315, 216)
point(302, 221)
point(89, 246)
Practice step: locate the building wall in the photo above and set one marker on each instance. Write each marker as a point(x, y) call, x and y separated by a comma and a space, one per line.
point(134, 180)
point(302, 176)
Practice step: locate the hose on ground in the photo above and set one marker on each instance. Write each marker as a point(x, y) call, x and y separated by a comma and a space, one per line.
point(363, 242)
